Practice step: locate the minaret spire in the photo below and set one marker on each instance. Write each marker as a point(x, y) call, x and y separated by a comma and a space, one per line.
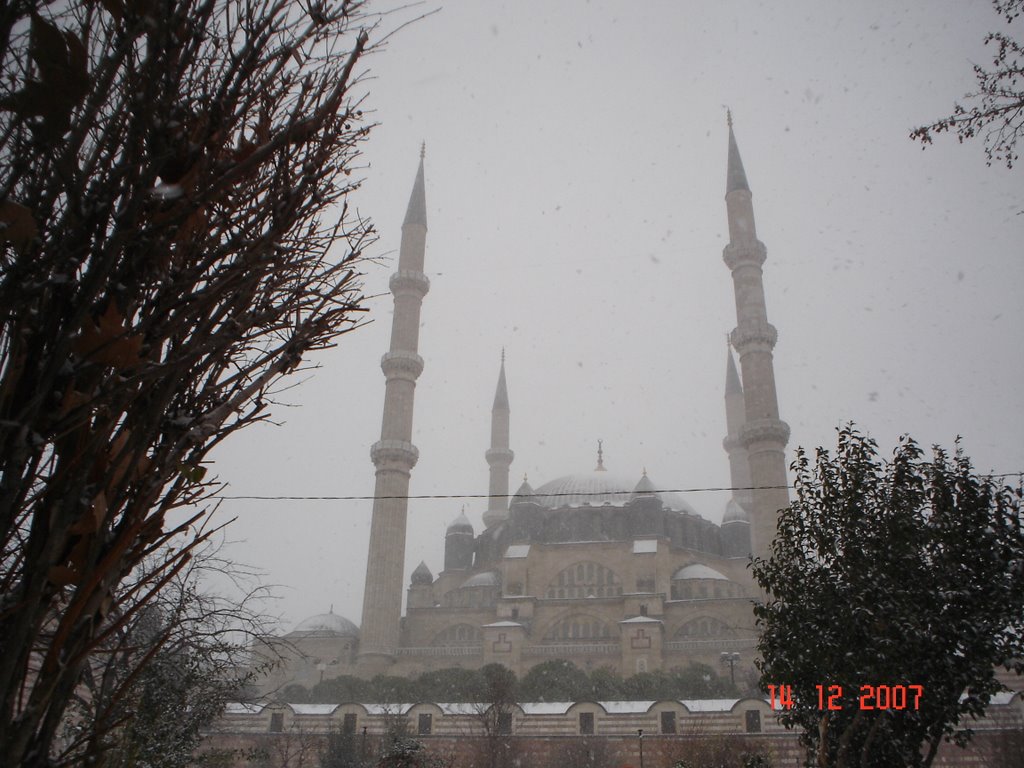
point(394, 455)
point(763, 434)
point(499, 456)
point(736, 177)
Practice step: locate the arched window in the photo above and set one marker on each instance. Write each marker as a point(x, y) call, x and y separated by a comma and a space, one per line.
point(587, 579)
point(578, 627)
point(458, 634)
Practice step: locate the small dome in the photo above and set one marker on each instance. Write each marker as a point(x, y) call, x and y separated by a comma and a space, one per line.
point(485, 579)
point(734, 513)
point(422, 575)
point(524, 490)
point(461, 523)
point(327, 624)
point(697, 571)
point(645, 487)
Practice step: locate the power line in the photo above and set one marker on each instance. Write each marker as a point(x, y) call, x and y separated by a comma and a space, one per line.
point(709, 489)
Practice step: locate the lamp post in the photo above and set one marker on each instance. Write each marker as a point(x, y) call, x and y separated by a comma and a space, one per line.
point(731, 659)
point(363, 760)
point(640, 738)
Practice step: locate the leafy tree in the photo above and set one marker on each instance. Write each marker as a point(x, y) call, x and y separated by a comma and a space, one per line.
point(895, 573)
point(391, 689)
point(167, 173)
point(338, 690)
point(296, 694)
point(996, 110)
point(451, 684)
point(607, 684)
point(699, 681)
point(555, 680)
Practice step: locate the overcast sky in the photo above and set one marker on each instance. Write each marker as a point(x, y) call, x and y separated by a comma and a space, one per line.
point(575, 173)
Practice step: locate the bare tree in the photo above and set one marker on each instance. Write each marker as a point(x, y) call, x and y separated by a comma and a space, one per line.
point(173, 176)
point(495, 713)
point(996, 110)
point(151, 688)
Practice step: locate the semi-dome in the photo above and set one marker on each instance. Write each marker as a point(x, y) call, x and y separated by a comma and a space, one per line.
point(485, 579)
point(697, 571)
point(327, 624)
point(598, 488)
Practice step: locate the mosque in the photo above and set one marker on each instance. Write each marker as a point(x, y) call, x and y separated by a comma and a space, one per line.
point(596, 568)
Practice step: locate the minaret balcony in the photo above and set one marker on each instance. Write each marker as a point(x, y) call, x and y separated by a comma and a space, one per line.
point(394, 454)
point(409, 282)
point(774, 432)
point(754, 338)
point(401, 364)
point(501, 457)
point(744, 254)
point(731, 443)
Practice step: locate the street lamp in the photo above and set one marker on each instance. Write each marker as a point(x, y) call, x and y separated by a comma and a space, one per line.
point(731, 659)
point(640, 737)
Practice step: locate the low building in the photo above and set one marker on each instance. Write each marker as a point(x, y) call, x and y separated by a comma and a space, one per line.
point(541, 734)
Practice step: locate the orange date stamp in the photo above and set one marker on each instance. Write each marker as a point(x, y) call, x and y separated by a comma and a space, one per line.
point(870, 697)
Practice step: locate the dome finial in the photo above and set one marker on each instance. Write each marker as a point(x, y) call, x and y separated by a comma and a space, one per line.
point(423, 146)
point(728, 117)
point(600, 457)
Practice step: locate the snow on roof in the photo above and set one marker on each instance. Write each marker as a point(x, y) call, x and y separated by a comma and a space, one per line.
point(484, 579)
point(709, 705)
point(503, 624)
point(626, 707)
point(314, 709)
point(641, 620)
point(697, 571)
point(517, 551)
point(1002, 698)
point(463, 708)
point(238, 708)
point(546, 707)
point(645, 546)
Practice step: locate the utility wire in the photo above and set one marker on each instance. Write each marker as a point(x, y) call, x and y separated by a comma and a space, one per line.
point(711, 489)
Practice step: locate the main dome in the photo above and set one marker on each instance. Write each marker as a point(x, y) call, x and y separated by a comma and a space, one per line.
point(327, 624)
point(599, 488)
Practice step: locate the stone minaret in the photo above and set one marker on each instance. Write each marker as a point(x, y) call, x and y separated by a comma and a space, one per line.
point(499, 456)
point(735, 417)
point(394, 455)
point(763, 434)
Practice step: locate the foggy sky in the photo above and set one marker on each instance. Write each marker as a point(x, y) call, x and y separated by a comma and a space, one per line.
point(575, 173)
